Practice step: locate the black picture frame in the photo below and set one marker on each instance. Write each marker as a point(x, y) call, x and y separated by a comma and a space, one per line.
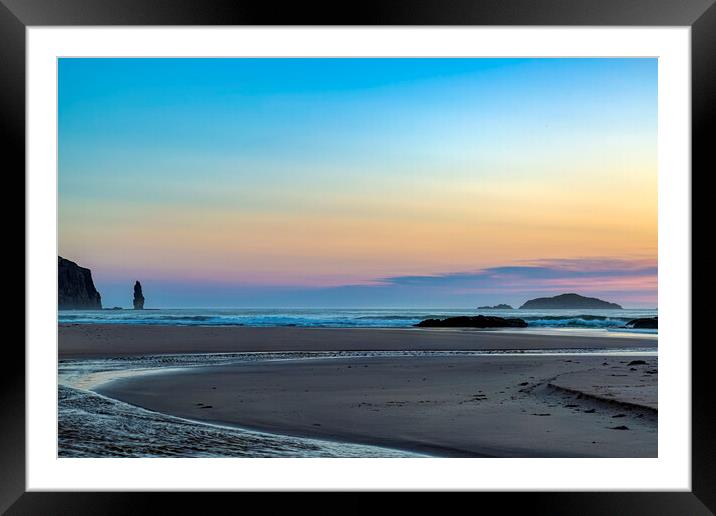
point(17, 15)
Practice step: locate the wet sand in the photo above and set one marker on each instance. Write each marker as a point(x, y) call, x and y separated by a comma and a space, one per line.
point(98, 340)
point(514, 405)
point(457, 406)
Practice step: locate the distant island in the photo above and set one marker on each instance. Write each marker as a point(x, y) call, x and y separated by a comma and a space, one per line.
point(496, 307)
point(568, 301)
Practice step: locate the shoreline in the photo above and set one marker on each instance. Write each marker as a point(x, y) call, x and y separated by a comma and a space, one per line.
point(423, 405)
point(104, 340)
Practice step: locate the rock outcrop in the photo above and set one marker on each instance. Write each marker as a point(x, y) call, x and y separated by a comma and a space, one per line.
point(138, 296)
point(478, 321)
point(645, 323)
point(568, 301)
point(76, 289)
point(496, 307)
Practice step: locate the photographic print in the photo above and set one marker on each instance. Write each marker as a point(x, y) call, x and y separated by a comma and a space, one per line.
point(357, 257)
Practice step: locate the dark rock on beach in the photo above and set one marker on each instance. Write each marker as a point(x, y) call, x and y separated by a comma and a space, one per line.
point(568, 301)
point(478, 321)
point(496, 307)
point(138, 297)
point(76, 289)
point(646, 323)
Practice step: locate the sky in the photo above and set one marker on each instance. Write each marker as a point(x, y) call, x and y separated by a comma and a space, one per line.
point(374, 182)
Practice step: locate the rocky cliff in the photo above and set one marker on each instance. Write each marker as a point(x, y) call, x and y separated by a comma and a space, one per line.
point(568, 301)
point(75, 287)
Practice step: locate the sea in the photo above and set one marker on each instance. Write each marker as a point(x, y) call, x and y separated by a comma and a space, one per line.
point(606, 321)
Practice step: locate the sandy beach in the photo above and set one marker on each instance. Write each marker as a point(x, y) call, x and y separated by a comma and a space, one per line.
point(98, 340)
point(509, 405)
point(504, 406)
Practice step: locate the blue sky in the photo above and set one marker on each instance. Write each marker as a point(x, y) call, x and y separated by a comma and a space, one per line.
point(303, 182)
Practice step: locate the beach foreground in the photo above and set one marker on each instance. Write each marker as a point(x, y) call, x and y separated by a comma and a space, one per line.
point(101, 340)
point(504, 405)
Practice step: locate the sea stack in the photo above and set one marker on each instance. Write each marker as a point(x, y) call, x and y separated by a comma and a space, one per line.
point(138, 296)
point(75, 287)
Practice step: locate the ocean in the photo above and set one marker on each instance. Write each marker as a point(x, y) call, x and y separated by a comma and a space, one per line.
point(607, 322)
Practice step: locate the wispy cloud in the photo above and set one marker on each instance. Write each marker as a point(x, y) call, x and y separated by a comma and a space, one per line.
point(542, 273)
point(628, 282)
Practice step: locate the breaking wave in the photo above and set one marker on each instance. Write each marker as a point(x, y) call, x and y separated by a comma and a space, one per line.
point(347, 318)
point(578, 321)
